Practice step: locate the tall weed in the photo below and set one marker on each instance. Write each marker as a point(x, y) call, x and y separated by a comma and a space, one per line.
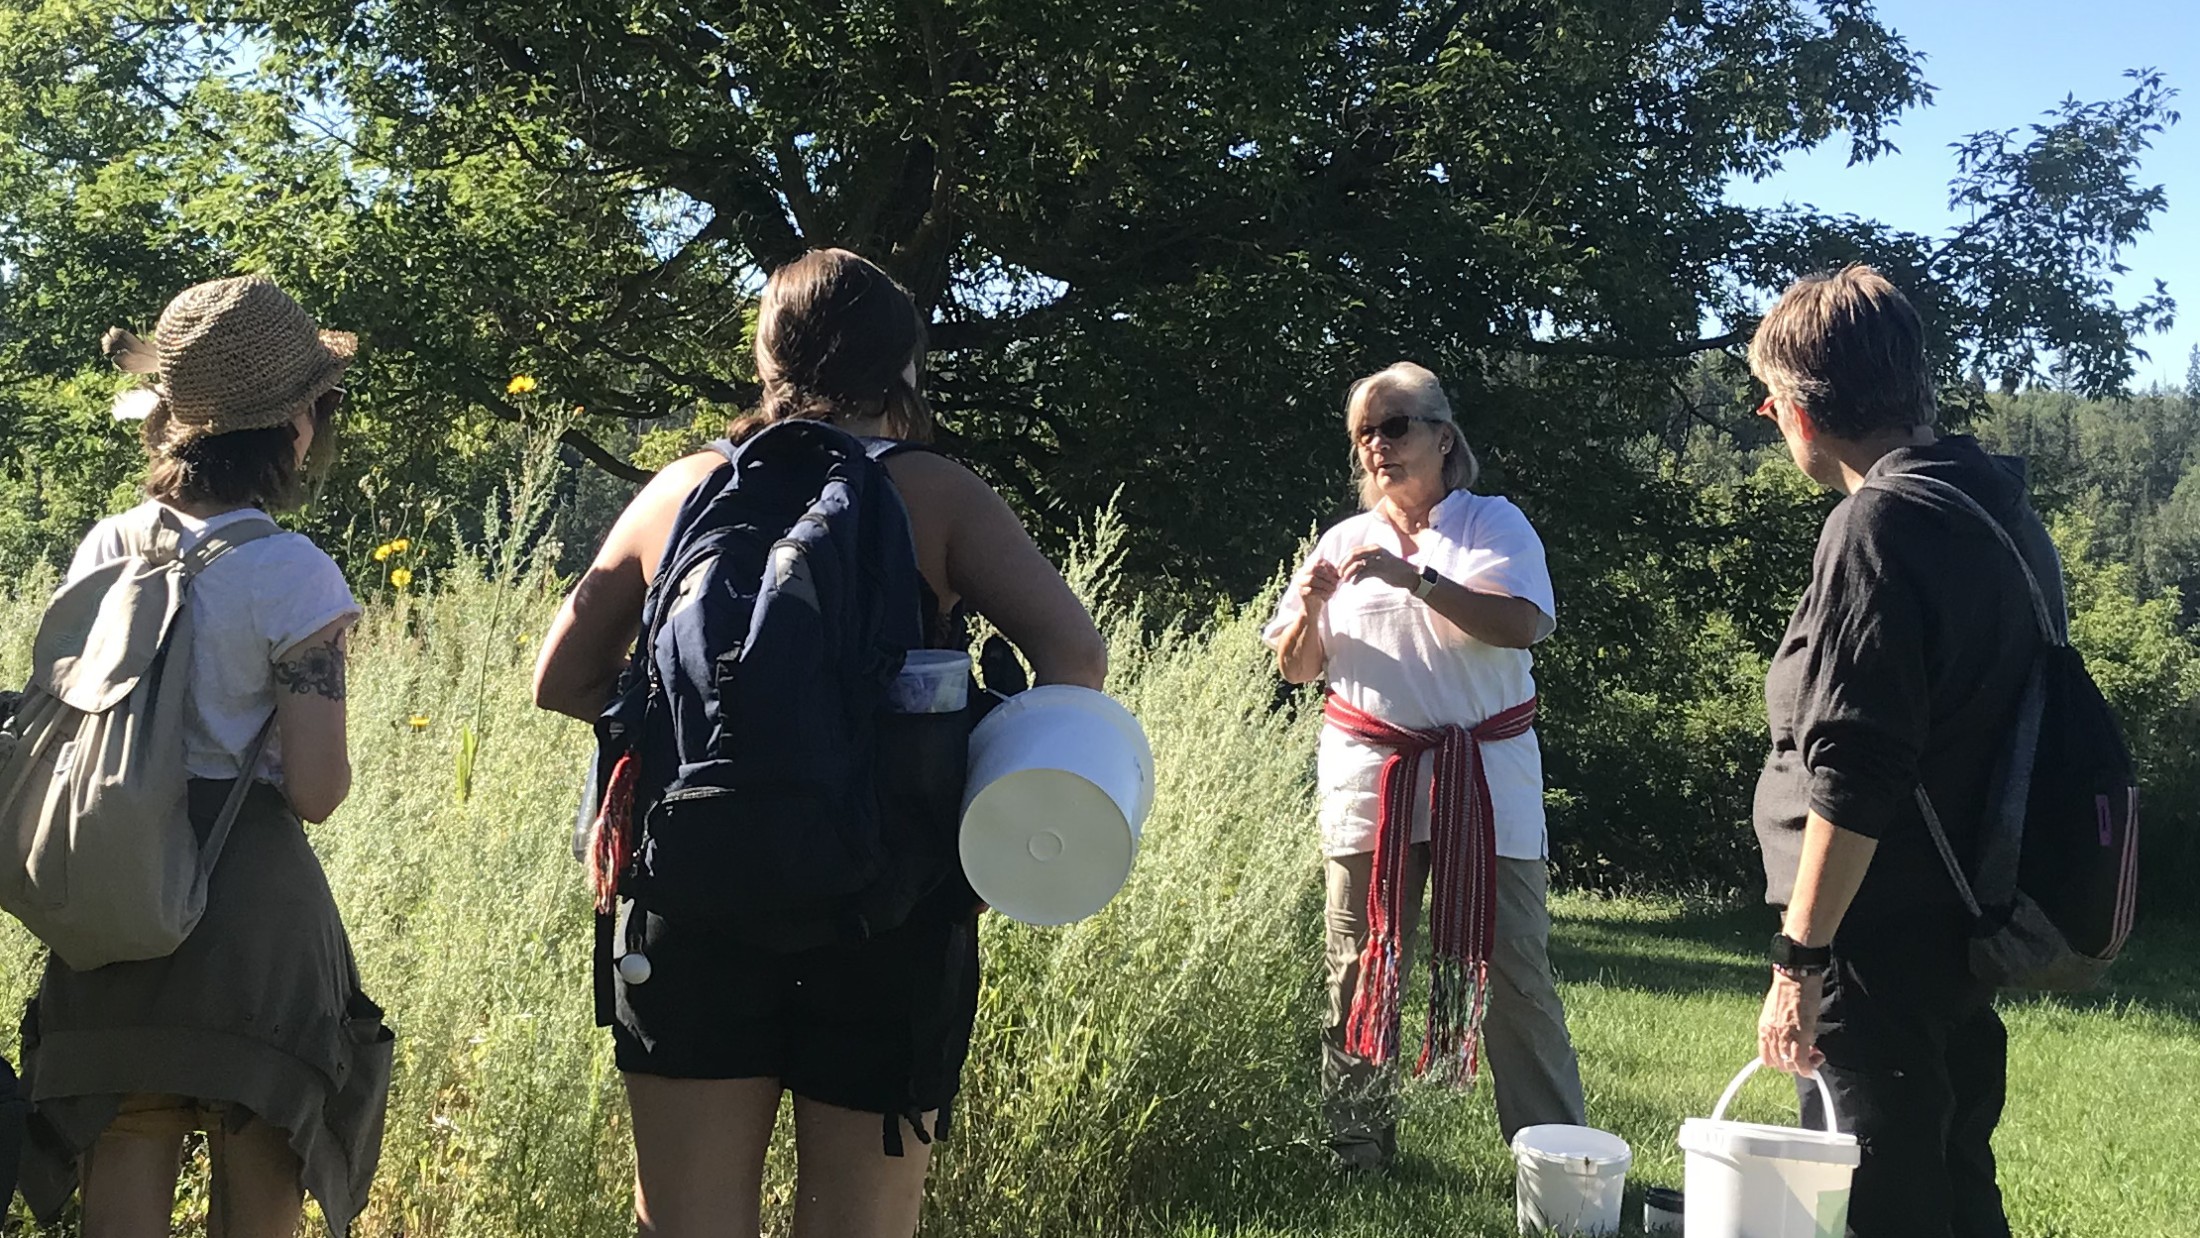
point(1168, 1036)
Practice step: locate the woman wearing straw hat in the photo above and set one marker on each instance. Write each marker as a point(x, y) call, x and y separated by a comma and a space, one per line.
point(1419, 612)
point(255, 1030)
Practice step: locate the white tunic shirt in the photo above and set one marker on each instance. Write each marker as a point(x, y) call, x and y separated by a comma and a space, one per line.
point(1386, 652)
point(249, 608)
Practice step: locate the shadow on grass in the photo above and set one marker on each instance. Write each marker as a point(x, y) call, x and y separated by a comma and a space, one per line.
point(1270, 1178)
point(2159, 971)
point(1707, 948)
point(1687, 948)
point(1293, 1190)
point(1294, 1193)
point(1273, 1179)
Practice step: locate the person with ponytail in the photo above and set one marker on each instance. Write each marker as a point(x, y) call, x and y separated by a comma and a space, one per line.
point(1419, 613)
point(858, 1031)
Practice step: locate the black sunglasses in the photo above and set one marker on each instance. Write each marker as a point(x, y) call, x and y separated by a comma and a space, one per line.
point(1392, 428)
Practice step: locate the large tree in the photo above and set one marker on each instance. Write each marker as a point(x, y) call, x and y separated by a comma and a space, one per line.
point(1157, 239)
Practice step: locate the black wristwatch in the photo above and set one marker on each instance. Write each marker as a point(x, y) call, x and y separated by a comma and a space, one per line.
point(1797, 959)
point(1429, 581)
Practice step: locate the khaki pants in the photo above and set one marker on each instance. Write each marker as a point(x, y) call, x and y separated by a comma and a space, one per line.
point(1524, 1041)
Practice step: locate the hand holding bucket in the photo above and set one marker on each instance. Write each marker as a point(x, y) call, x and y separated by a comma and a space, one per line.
point(1061, 781)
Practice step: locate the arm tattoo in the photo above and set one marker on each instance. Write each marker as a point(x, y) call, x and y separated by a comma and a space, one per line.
point(318, 669)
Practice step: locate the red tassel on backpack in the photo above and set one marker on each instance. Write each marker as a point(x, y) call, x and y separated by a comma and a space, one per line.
point(611, 840)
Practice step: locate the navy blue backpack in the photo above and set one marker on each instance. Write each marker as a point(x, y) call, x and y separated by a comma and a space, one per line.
point(748, 769)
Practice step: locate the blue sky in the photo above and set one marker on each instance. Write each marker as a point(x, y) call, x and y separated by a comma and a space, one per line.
point(1999, 65)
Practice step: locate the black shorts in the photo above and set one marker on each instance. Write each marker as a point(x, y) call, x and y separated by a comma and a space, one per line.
point(880, 1025)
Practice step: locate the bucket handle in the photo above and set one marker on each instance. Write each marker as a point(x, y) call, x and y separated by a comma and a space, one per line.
point(1825, 1097)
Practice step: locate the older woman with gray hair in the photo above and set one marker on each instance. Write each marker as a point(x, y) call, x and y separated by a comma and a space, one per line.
point(1419, 613)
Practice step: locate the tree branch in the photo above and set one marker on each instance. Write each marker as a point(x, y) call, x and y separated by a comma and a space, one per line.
point(922, 257)
point(959, 334)
point(602, 458)
point(794, 182)
point(712, 388)
point(1695, 412)
point(1432, 40)
point(634, 287)
point(1622, 350)
point(574, 437)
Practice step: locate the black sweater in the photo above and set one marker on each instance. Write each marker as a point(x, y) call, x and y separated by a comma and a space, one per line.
point(1904, 662)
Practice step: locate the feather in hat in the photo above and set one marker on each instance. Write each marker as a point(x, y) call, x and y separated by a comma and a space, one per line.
point(132, 355)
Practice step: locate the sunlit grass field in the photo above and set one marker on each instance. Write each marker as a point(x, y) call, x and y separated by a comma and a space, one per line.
point(1148, 1072)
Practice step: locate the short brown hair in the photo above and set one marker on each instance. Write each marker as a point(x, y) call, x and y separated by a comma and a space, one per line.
point(834, 335)
point(1849, 348)
point(246, 468)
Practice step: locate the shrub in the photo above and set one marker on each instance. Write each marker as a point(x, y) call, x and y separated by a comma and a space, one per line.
point(2149, 669)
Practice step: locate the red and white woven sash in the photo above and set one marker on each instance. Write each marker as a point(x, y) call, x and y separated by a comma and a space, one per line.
point(1462, 886)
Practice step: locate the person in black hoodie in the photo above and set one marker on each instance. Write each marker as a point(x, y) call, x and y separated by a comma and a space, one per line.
point(1902, 668)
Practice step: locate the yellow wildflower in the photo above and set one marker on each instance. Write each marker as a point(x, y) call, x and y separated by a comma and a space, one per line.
point(521, 384)
point(418, 722)
point(401, 545)
point(402, 577)
point(383, 551)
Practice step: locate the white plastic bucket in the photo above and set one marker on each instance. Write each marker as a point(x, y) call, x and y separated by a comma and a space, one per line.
point(1745, 1180)
point(932, 681)
point(1061, 780)
point(1570, 1179)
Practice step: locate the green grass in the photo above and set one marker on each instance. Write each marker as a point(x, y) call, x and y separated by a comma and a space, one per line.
point(1147, 1072)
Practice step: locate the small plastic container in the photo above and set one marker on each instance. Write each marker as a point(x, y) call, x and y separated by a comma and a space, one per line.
point(1571, 1179)
point(1661, 1212)
point(932, 681)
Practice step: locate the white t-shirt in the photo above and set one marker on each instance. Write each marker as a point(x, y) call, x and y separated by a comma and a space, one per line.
point(248, 609)
point(1389, 654)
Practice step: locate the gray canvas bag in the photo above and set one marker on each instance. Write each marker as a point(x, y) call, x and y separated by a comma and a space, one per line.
point(97, 854)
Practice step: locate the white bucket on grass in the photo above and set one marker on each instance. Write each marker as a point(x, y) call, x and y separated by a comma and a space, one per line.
point(1061, 780)
point(1746, 1180)
point(1570, 1179)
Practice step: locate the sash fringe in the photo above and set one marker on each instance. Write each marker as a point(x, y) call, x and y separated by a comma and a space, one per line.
point(1462, 881)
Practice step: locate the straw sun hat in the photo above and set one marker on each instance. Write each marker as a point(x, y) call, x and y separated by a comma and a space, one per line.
point(234, 354)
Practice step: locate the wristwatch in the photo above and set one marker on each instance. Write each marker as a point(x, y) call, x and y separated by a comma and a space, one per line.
point(1797, 959)
point(1428, 583)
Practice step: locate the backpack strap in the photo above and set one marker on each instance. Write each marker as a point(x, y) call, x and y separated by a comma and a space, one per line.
point(1918, 485)
point(1947, 853)
point(217, 543)
point(884, 449)
point(211, 548)
point(158, 537)
point(211, 853)
point(160, 540)
point(2002, 846)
